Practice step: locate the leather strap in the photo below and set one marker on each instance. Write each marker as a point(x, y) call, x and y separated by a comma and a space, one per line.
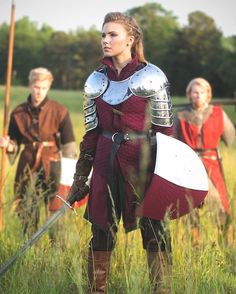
point(40, 146)
point(119, 138)
point(210, 153)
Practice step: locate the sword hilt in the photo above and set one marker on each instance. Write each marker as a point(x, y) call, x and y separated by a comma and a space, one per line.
point(69, 202)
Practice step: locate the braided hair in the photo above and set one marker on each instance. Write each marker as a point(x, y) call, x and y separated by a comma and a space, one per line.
point(132, 28)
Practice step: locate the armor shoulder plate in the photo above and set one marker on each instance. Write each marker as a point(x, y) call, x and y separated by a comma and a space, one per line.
point(95, 85)
point(148, 81)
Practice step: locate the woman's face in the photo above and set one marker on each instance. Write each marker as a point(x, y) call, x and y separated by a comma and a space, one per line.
point(115, 40)
point(199, 96)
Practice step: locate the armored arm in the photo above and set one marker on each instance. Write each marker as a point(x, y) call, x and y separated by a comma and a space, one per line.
point(79, 188)
point(150, 82)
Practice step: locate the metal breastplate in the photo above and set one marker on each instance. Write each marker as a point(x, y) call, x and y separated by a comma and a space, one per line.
point(148, 82)
point(117, 92)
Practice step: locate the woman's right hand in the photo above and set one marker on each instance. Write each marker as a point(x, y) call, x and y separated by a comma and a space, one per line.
point(79, 189)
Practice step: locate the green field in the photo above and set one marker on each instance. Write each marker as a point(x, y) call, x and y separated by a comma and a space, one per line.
point(209, 267)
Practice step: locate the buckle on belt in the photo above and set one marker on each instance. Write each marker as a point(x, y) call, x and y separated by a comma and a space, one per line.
point(118, 138)
point(113, 137)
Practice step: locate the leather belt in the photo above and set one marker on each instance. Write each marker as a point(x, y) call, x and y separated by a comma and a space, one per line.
point(117, 139)
point(40, 146)
point(203, 150)
point(207, 153)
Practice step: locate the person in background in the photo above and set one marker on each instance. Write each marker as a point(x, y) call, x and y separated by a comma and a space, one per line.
point(43, 127)
point(202, 126)
point(122, 110)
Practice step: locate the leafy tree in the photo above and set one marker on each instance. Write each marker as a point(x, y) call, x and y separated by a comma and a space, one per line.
point(4, 37)
point(61, 56)
point(159, 26)
point(89, 49)
point(28, 45)
point(195, 51)
point(71, 57)
point(227, 68)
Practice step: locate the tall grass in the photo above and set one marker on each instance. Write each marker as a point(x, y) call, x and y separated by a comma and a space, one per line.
point(209, 267)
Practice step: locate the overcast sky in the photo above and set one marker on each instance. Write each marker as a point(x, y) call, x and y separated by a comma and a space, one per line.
point(70, 14)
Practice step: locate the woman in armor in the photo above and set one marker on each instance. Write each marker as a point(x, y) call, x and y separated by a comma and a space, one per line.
point(122, 112)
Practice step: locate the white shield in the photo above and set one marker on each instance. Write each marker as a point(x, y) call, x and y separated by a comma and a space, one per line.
point(179, 182)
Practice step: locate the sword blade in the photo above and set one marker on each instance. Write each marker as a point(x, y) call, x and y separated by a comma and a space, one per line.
point(38, 234)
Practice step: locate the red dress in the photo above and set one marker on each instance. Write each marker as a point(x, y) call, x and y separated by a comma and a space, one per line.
point(128, 116)
point(206, 136)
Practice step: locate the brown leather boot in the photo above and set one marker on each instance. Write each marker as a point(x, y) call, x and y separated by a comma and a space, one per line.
point(98, 271)
point(159, 264)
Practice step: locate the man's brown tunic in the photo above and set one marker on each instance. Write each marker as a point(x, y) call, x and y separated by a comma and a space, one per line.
point(37, 128)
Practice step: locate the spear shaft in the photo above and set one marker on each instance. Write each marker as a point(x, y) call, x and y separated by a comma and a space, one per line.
point(6, 110)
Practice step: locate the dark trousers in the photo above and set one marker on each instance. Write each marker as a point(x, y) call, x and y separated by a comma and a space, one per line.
point(155, 236)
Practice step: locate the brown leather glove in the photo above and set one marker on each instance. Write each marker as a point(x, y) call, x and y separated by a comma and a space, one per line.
point(79, 188)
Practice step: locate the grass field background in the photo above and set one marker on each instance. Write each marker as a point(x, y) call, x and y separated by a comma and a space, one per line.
point(208, 268)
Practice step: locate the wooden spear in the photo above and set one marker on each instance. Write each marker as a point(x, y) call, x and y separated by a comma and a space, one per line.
point(6, 110)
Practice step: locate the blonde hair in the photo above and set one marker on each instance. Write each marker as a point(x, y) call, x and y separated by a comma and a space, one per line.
point(201, 82)
point(40, 74)
point(132, 29)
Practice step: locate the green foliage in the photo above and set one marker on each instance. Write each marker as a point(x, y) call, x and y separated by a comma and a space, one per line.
point(61, 57)
point(209, 267)
point(70, 98)
point(89, 48)
point(159, 27)
point(197, 49)
point(29, 44)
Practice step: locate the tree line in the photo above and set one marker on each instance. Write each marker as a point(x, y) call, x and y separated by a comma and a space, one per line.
point(182, 52)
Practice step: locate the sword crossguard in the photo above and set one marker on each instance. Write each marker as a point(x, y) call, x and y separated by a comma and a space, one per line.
point(66, 203)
